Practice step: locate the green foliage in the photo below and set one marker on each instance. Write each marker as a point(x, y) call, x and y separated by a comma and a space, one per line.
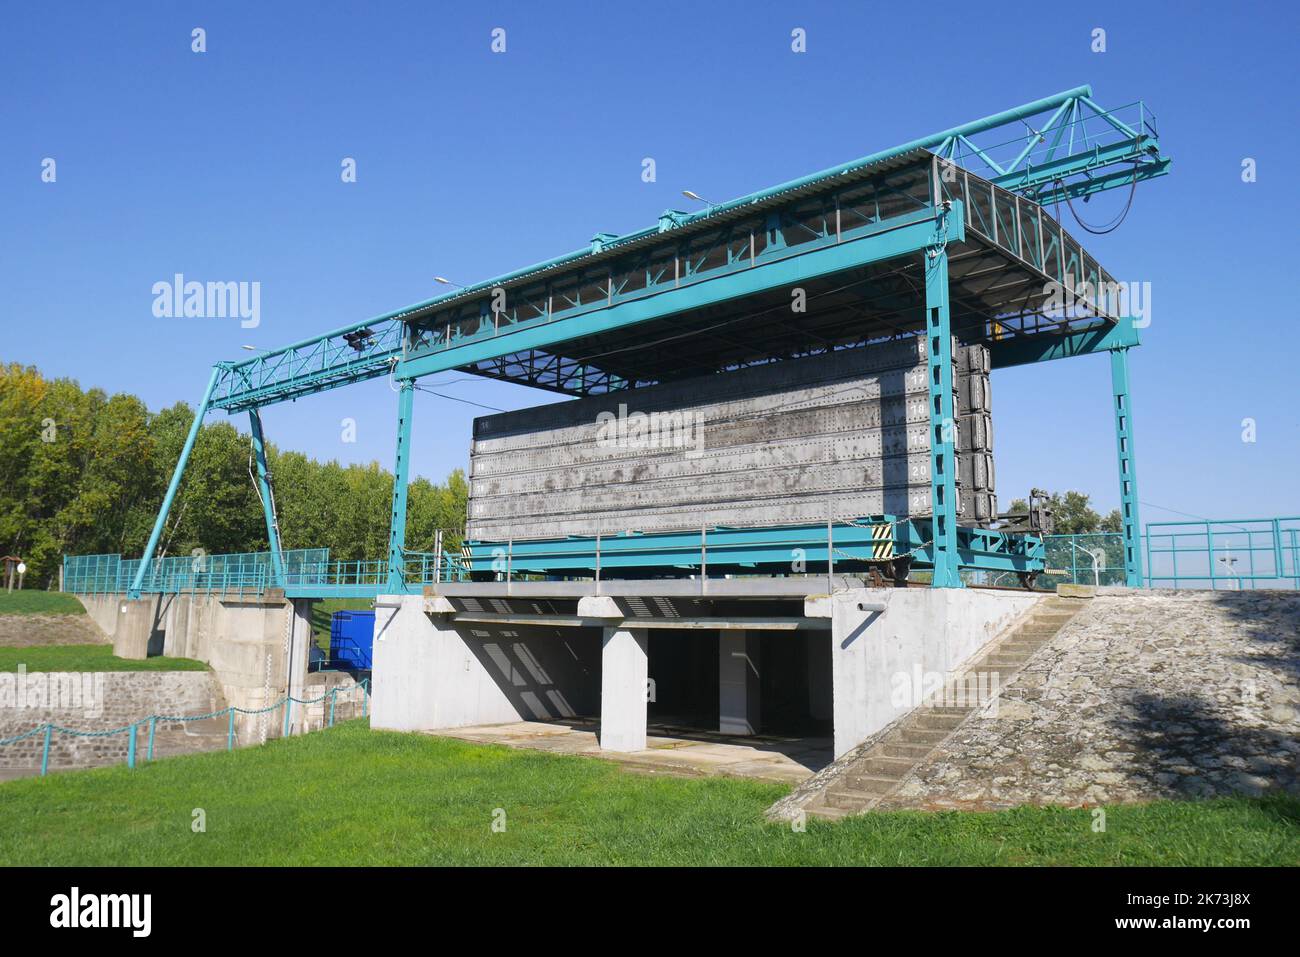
point(83, 473)
point(88, 658)
point(411, 799)
point(1073, 514)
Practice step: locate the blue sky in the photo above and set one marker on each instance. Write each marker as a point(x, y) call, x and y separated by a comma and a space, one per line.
point(225, 166)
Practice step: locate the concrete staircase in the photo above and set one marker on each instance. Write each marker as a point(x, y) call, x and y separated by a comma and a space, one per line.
point(910, 742)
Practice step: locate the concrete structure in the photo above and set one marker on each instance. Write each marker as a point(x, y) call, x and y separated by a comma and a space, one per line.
point(256, 645)
point(475, 655)
point(624, 689)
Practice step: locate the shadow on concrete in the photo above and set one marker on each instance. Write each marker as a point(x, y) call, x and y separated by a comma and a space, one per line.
point(1270, 618)
point(1171, 735)
point(547, 674)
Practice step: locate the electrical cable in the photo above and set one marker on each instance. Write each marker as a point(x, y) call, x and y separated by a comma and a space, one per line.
point(1113, 224)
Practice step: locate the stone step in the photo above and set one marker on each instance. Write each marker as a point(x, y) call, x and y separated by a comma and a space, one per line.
point(846, 799)
point(897, 749)
point(827, 813)
point(869, 785)
point(919, 736)
point(925, 721)
point(1029, 645)
point(886, 767)
point(1003, 662)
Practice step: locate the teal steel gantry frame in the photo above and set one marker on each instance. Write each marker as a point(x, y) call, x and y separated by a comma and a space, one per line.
point(943, 418)
point(1080, 149)
point(1128, 493)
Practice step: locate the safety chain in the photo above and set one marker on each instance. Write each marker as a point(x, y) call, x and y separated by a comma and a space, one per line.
point(48, 728)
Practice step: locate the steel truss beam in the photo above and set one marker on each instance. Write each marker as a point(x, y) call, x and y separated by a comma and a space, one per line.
point(900, 236)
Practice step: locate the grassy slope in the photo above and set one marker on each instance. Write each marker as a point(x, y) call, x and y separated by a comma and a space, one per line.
point(352, 796)
point(87, 658)
point(29, 602)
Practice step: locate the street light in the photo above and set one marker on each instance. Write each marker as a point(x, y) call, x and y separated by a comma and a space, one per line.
point(447, 282)
point(1098, 557)
point(689, 194)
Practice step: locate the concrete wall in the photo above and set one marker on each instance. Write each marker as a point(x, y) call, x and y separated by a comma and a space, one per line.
point(256, 645)
point(921, 631)
point(430, 674)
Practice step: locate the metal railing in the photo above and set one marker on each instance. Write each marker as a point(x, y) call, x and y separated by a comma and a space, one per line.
point(48, 729)
point(1224, 554)
point(1092, 558)
point(1249, 553)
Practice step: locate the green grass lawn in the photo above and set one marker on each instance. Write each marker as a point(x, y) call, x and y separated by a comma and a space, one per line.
point(323, 611)
point(31, 602)
point(87, 658)
point(353, 796)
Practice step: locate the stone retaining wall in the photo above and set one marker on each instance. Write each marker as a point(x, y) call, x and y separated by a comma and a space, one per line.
point(97, 701)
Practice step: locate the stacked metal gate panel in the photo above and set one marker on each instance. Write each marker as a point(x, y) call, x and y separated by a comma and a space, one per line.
point(839, 435)
point(975, 477)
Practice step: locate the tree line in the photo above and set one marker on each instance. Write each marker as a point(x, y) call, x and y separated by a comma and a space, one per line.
point(83, 472)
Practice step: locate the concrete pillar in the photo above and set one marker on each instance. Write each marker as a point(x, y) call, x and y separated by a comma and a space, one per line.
point(299, 648)
point(135, 619)
point(738, 682)
point(624, 670)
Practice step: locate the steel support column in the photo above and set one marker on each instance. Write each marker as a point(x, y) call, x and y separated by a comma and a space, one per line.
point(401, 469)
point(147, 557)
point(267, 495)
point(1128, 490)
point(943, 427)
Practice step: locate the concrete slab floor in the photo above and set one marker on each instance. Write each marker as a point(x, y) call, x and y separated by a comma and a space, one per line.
point(669, 750)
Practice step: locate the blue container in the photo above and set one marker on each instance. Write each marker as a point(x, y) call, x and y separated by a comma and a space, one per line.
point(352, 636)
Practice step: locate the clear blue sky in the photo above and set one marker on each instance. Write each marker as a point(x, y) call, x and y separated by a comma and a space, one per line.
point(225, 165)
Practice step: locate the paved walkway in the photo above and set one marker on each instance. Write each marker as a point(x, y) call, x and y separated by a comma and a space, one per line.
point(669, 750)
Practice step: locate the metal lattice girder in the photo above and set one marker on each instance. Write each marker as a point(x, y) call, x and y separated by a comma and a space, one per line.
point(354, 353)
point(890, 239)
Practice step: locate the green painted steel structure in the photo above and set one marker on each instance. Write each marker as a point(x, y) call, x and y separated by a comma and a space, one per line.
point(590, 321)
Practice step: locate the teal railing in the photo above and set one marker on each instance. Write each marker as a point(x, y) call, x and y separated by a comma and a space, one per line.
point(49, 729)
point(1092, 558)
point(1224, 554)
